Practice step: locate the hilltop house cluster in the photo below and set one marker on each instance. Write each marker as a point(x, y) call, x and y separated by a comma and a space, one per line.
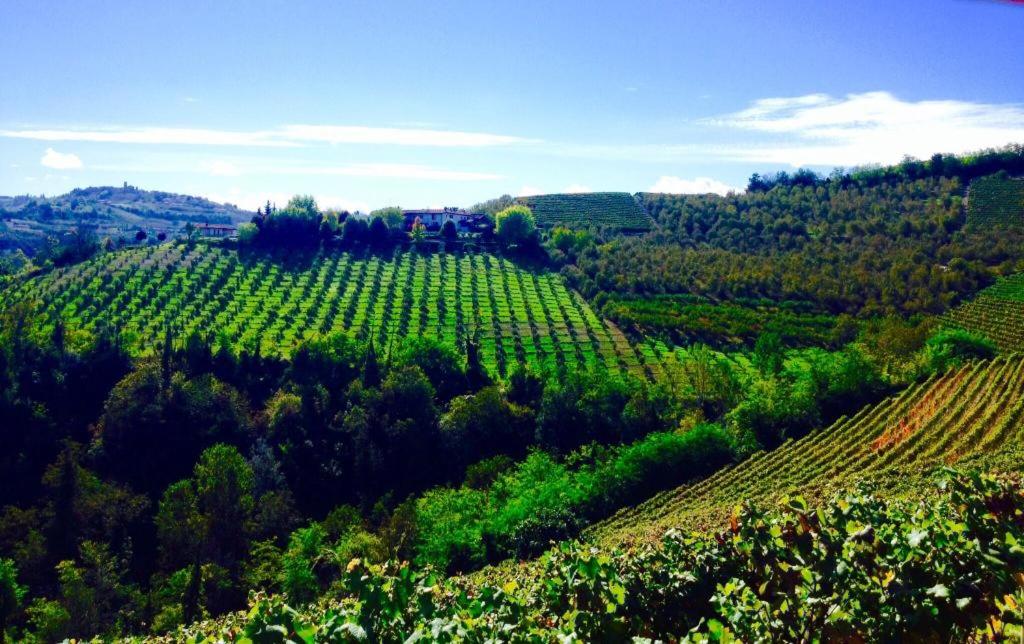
point(433, 218)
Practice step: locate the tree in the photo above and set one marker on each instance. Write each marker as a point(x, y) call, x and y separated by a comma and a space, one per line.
point(11, 595)
point(371, 367)
point(392, 216)
point(190, 232)
point(140, 236)
point(448, 230)
point(769, 353)
point(515, 225)
point(378, 233)
point(418, 232)
point(354, 231)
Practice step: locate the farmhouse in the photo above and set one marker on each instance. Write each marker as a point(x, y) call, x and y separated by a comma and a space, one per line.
point(216, 230)
point(433, 218)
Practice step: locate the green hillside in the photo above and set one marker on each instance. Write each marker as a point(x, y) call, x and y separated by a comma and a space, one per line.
point(618, 210)
point(275, 301)
point(974, 410)
point(996, 200)
point(996, 312)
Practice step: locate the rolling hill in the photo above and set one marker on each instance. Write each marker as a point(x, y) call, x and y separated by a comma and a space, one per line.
point(25, 221)
point(996, 200)
point(974, 410)
point(996, 312)
point(274, 301)
point(617, 210)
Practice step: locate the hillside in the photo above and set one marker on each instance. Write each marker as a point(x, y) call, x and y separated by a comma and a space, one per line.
point(976, 409)
point(616, 210)
point(996, 312)
point(274, 301)
point(113, 211)
point(996, 200)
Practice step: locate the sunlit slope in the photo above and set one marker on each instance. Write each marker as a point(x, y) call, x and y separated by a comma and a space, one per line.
point(973, 410)
point(615, 210)
point(996, 312)
point(996, 200)
point(273, 302)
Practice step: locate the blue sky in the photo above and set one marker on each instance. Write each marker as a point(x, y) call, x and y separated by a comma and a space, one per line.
point(448, 103)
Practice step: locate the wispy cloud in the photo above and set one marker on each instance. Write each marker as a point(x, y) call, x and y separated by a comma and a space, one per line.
point(272, 168)
point(60, 160)
point(390, 170)
point(395, 136)
point(284, 136)
point(220, 168)
point(874, 127)
point(700, 185)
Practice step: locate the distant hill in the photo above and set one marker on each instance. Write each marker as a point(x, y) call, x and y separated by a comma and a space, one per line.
point(996, 200)
point(25, 221)
point(619, 210)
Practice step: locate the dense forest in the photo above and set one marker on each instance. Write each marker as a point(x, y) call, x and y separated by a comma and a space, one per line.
point(867, 243)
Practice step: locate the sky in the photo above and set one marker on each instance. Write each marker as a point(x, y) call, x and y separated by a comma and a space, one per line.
point(417, 104)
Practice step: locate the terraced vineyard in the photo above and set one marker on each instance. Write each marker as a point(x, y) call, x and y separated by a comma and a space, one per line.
point(274, 302)
point(973, 410)
point(997, 313)
point(996, 201)
point(607, 209)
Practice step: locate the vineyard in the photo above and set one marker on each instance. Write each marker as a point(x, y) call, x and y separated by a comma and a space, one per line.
point(970, 411)
point(274, 302)
point(997, 313)
point(619, 210)
point(996, 201)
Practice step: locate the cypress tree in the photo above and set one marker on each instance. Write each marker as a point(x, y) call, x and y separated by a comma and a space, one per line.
point(371, 367)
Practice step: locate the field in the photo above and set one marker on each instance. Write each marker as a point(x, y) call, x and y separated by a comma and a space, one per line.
point(619, 210)
point(970, 411)
point(273, 302)
point(687, 319)
point(996, 201)
point(997, 313)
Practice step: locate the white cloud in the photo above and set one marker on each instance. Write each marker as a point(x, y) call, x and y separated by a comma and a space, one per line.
point(390, 171)
point(700, 185)
point(874, 127)
point(60, 160)
point(152, 135)
point(286, 136)
point(219, 168)
point(395, 136)
point(529, 191)
point(576, 188)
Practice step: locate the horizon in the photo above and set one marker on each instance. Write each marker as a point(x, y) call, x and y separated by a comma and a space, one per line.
point(369, 107)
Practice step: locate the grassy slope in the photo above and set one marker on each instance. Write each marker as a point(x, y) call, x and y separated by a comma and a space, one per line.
point(612, 209)
point(969, 413)
point(276, 301)
point(996, 201)
point(997, 313)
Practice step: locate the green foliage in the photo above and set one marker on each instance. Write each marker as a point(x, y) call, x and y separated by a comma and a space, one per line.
point(300, 562)
point(859, 568)
point(867, 249)
point(996, 200)
point(514, 226)
point(273, 302)
point(951, 347)
point(995, 312)
point(11, 594)
point(619, 211)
